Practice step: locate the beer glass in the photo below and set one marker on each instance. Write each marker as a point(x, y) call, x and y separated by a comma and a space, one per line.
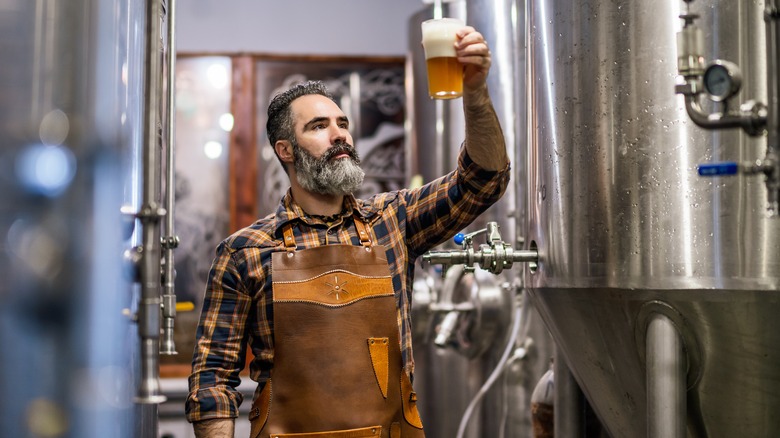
point(445, 74)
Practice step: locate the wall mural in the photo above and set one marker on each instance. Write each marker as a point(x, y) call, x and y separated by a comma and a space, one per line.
point(371, 95)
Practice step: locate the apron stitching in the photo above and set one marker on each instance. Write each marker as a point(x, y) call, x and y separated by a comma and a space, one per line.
point(333, 305)
point(332, 272)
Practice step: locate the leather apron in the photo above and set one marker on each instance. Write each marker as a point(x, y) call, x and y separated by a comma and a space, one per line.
point(337, 371)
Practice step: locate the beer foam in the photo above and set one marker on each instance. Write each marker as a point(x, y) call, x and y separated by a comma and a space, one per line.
point(438, 37)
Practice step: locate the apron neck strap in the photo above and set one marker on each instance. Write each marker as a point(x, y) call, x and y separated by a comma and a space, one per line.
point(289, 238)
point(362, 231)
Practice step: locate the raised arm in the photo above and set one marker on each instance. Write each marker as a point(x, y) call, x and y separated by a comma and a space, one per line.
point(484, 138)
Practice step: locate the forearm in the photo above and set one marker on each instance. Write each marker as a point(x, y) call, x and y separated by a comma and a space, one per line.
point(485, 142)
point(216, 428)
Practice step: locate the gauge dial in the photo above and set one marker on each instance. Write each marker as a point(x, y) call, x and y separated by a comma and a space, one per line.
point(722, 80)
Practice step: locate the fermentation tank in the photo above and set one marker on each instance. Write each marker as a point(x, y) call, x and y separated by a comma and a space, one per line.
point(69, 113)
point(647, 270)
point(81, 126)
point(458, 351)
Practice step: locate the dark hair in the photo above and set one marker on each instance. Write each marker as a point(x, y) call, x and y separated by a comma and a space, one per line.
point(280, 123)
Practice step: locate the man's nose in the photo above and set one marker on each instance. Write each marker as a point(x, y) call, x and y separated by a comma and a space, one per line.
point(339, 135)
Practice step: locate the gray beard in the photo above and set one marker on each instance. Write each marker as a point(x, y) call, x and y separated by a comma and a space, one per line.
point(320, 175)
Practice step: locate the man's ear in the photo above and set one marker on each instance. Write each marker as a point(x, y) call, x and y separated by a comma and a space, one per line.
point(284, 150)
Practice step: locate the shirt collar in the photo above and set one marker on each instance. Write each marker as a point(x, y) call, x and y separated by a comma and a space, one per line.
point(289, 211)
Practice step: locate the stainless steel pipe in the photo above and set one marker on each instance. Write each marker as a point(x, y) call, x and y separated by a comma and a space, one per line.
point(150, 216)
point(666, 379)
point(170, 241)
point(771, 16)
point(569, 419)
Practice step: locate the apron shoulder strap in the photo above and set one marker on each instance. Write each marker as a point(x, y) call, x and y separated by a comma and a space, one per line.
point(289, 238)
point(362, 231)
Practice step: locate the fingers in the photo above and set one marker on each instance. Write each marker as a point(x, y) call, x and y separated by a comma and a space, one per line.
point(471, 48)
point(468, 35)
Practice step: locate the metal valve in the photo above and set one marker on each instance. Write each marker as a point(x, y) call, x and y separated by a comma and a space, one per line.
point(493, 256)
point(720, 81)
point(767, 167)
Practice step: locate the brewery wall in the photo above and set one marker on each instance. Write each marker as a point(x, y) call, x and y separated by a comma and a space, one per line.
point(307, 27)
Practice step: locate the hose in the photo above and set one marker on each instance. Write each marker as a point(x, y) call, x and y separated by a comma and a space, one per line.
point(520, 318)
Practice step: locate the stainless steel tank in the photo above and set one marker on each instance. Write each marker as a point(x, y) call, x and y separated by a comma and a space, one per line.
point(626, 229)
point(451, 378)
point(70, 117)
point(432, 126)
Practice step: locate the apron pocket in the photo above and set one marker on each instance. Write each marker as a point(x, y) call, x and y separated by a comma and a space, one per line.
point(258, 415)
point(378, 349)
point(409, 400)
point(365, 432)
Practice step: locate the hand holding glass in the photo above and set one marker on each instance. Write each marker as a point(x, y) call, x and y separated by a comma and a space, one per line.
point(445, 74)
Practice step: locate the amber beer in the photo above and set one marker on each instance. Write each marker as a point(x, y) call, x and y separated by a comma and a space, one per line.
point(445, 73)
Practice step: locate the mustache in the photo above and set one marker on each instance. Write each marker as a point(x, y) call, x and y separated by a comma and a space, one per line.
point(341, 148)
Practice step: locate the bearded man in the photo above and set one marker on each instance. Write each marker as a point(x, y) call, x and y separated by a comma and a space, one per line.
point(321, 290)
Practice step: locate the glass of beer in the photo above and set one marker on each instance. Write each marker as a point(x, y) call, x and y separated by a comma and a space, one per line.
point(445, 74)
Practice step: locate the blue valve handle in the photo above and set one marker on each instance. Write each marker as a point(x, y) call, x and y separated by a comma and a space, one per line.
point(716, 169)
point(459, 238)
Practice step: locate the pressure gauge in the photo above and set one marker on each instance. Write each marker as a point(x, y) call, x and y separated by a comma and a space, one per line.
point(722, 79)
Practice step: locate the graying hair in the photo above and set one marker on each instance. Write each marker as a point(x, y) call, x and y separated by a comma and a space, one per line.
point(280, 123)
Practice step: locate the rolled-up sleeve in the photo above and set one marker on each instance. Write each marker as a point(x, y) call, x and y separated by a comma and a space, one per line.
point(486, 185)
point(220, 352)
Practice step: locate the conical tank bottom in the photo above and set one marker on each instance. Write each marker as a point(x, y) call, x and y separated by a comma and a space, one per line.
point(732, 343)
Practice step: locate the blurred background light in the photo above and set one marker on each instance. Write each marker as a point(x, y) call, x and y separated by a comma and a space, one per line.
point(45, 170)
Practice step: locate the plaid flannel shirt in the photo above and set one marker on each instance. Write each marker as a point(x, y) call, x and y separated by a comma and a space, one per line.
point(237, 310)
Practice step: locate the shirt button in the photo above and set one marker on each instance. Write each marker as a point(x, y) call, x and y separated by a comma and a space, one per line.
point(330, 231)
